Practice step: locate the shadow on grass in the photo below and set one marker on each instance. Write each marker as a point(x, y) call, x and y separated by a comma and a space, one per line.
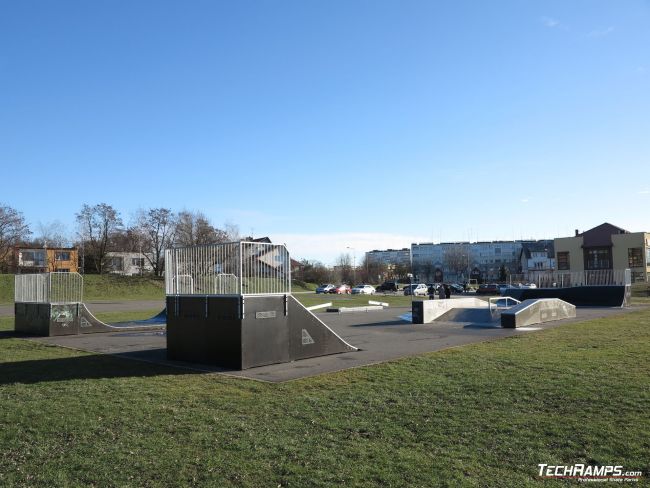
point(96, 366)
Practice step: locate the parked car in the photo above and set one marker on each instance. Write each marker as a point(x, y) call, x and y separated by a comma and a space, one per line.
point(490, 289)
point(388, 286)
point(325, 288)
point(341, 290)
point(363, 290)
point(456, 288)
point(503, 287)
point(432, 288)
point(419, 289)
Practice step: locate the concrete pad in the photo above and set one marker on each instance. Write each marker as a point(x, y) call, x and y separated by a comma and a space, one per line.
point(380, 335)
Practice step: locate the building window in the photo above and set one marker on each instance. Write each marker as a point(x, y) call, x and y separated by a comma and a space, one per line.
point(563, 261)
point(597, 258)
point(62, 256)
point(635, 257)
point(138, 262)
point(115, 263)
point(35, 259)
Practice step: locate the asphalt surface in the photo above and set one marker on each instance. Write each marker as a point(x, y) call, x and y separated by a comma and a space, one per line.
point(380, 335)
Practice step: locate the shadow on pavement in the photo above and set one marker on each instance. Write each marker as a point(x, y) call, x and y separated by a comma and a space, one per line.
point(94, 366)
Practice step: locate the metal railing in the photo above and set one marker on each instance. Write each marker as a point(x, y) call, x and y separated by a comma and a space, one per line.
point(599, 277)
point(53, 287)
point(497, 303)
point(234, 268)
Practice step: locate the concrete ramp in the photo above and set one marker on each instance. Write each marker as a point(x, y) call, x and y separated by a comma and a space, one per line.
point(472, 315)
point(426, 311)
point(537, 311)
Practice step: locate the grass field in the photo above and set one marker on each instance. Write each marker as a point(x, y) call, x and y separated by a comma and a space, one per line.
point(480, 415)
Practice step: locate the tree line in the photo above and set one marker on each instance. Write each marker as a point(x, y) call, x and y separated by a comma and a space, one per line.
point(101, 230)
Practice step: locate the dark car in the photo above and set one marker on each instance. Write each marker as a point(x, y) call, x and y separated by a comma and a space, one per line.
point(388, 286)
point(456, 288)
point(490, 289)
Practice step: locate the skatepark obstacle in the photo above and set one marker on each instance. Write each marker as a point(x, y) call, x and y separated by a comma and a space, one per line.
point(537, 311)
point(231, 305)
point(593, 288)
point(51, 304)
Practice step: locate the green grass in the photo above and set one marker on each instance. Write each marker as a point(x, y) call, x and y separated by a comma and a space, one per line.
point(103, 287)
point(479, 415)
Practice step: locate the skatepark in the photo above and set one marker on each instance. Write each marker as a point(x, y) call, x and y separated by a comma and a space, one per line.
point(229, 310)
point(380, 336)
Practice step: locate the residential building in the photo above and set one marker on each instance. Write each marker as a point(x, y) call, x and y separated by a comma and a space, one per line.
point(536, 259)
point(127, 263)
point(43, 260)
point(389, 257)
point(605, 247)
point(459, 261)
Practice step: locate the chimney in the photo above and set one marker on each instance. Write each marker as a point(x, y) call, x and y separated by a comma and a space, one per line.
point(577, 232)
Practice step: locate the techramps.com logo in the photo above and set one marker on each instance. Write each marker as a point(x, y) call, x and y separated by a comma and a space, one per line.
point(586, 472)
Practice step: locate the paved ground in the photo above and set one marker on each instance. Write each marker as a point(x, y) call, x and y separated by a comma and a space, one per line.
point(380, 335)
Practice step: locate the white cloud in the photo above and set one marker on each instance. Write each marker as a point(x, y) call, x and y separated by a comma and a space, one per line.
point(602, 33)
point(644, 192)
point(327, 247)
point(550, 22)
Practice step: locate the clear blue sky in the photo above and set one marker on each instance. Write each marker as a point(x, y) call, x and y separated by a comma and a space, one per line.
point(328, 124)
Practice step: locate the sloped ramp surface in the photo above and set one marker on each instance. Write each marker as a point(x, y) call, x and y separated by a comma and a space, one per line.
point(89, 324)
point(309, 336)
point(537, 311)
point(470, 315)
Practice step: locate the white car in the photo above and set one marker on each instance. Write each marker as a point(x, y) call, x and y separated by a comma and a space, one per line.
point(419, 289)
point(363, 290)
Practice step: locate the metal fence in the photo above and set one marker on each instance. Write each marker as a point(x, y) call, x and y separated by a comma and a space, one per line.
point(48, 288)
point(235, 268)
point(600, 277)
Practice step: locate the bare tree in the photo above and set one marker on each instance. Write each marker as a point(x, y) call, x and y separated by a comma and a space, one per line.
point(456, 259)
point(98, 225)
point(345, 268)
point(194, 228)
point(13, 229)
point(52, 234)
point(232, 231)
point(157, 226)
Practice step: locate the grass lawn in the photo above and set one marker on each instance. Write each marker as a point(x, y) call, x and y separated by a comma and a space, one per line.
point(479, 415)
point(103, 287)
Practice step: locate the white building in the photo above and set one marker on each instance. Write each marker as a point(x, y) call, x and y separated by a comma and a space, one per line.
point(460, 261)
point(390, 257)
point(127, 263)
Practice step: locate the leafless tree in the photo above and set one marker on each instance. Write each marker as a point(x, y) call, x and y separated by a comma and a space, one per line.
point(232, 231)
point(194, 228)
point(13, 229)
point(52, 234)
point(456, 259)
point(157, 226)
point(98, 225)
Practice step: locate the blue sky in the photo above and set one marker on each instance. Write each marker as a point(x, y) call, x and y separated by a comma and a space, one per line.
point(332, 124)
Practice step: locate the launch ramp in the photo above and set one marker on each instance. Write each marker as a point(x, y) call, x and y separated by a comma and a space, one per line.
point(537, 311)
point(254, 321)
point(51, 304)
